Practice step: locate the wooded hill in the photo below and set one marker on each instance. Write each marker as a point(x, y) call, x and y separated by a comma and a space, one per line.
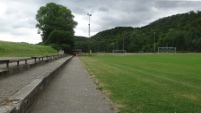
point(182, 31)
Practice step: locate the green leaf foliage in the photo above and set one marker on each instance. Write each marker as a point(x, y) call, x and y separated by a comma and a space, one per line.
point(81, 43)
point(60, 39)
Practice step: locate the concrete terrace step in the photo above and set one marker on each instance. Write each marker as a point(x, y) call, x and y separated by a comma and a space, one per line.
point(18, 91)
point(13, 65)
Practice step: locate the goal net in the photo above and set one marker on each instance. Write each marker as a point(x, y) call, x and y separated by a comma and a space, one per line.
point(167, 49)
point(101, 53)
point(119, 52)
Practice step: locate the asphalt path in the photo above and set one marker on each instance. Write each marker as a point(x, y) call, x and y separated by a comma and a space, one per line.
point(72, 91)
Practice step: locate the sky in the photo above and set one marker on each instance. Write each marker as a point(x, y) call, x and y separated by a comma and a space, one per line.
point(17, 17)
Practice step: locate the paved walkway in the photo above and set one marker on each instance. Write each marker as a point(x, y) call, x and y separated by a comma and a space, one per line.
point(72, 91)
point(13, 83)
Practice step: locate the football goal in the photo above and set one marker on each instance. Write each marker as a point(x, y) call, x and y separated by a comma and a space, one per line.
point(119, 52)
point(167, 49)
point(101, 53)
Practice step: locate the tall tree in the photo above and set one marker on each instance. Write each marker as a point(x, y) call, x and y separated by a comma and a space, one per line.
point(55, 17)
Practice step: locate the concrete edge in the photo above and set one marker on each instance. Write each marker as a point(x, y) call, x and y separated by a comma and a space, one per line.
point(23, 99)
point(23, 67)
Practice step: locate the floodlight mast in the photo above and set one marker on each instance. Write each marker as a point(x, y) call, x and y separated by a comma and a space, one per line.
point(154, 41)
point(123, 43)
point(89, 32)
point(89, 22)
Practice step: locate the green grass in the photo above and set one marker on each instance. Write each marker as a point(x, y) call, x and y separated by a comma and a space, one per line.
point(11, 49)
point(149, 83)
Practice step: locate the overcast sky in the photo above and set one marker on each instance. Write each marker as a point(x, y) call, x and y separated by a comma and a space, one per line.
point(17, 17)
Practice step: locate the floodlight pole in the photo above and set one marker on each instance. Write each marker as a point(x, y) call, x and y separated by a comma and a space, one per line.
point(89, 23)
point(89, 32)
point(154, 41)
point(123, 43)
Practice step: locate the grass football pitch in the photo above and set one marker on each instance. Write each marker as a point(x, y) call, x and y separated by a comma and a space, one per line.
point(147, 83)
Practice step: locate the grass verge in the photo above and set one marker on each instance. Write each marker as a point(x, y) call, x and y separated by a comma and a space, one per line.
point(11, 49)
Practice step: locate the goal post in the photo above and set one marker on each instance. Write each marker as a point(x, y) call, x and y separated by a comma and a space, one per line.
point(167, 49)
point(119, 52)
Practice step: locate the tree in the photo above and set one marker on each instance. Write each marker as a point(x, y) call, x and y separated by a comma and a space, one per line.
point(55, 18)
point(58, 39)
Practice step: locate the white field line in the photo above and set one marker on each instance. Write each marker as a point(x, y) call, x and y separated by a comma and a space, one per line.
point(154, 75)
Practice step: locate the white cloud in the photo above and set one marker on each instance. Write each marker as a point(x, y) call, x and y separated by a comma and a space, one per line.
point(2, 9)
point(17, 18)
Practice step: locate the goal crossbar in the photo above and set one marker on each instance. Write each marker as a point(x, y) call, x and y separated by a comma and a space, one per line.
point(118, 52)
point(167, 49)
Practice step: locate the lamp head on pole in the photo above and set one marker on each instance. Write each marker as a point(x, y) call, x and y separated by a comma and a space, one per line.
point(38, 31)
point(89, 14)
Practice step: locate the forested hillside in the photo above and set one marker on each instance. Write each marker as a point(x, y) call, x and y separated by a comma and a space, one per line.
point(182, 31)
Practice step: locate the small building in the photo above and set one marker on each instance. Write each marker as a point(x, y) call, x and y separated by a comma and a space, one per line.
point(76, 52)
